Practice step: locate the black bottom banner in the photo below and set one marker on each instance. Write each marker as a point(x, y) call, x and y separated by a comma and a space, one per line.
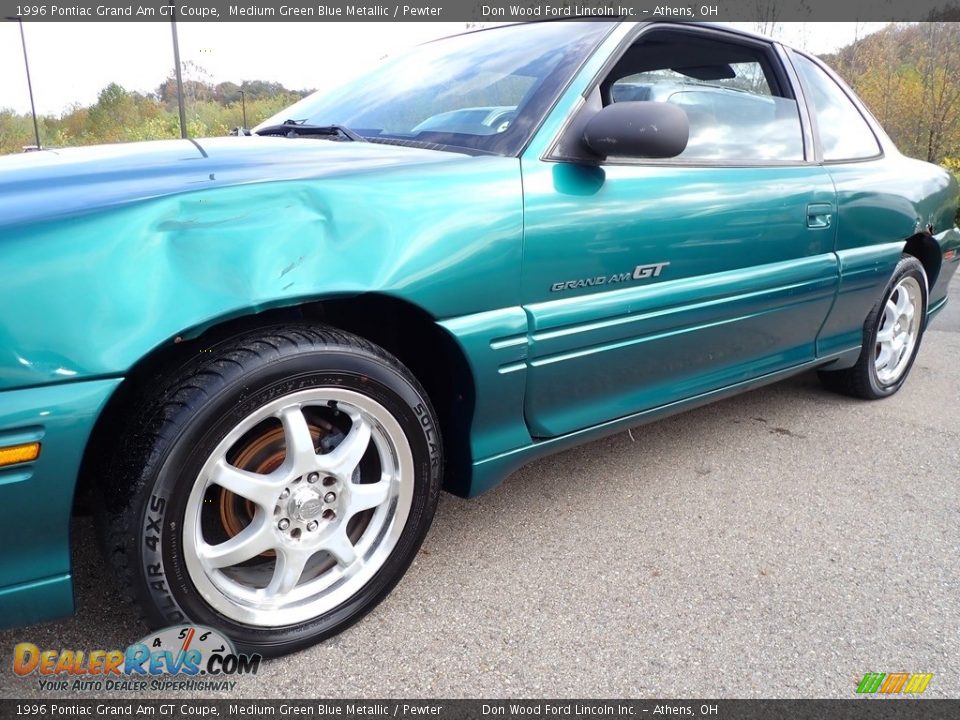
point(855, 709)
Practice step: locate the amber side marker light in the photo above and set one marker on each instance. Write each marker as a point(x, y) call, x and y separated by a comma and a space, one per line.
point(16, 454)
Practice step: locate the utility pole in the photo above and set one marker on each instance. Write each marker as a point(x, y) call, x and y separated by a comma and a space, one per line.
point(243, 103)
point(176, 61)
point(26, 65)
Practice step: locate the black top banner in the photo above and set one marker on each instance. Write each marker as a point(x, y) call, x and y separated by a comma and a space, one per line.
point(481, 10)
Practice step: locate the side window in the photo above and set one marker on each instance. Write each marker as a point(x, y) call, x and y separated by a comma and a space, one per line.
point(745, 76)
point(844, 134)
point(729, 93)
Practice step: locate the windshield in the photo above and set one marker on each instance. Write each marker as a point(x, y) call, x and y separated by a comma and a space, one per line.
point(484, 91)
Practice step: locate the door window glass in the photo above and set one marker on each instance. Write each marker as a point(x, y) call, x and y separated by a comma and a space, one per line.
point(730, 96)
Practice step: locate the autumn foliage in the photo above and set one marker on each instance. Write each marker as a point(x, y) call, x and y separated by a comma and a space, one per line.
point(123, 116)
point(909, 77)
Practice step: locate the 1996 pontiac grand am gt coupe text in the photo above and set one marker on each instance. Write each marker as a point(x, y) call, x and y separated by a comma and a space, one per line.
point(264, 355)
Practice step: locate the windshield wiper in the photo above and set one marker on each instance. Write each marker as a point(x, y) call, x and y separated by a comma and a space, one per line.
point(299, 128)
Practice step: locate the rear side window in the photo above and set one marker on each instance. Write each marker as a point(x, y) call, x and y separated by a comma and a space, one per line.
point(729, 92)
point(844, 134)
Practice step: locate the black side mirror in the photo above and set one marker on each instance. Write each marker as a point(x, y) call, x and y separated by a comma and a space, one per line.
point(638, 129)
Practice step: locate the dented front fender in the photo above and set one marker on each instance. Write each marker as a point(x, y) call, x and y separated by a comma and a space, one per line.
point(106, 283)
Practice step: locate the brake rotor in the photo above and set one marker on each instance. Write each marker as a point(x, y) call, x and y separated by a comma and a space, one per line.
point(262, 455)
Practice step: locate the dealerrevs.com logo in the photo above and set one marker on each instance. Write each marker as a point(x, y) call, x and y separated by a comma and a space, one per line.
point(181, 657)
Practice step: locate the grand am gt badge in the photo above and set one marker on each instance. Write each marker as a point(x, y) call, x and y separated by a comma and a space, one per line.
point(641, 272)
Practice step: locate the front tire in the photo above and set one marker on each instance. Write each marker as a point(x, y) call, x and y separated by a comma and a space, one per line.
point(891, 337)
point(276, 488)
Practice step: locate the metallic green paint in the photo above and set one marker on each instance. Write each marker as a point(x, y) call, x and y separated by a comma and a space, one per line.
point(747, 287)
point(36, 497)
point(175, 262)
point(881, 204)
point(492, 470)
point(495, 345)
point(110, 253)
point(36, 601)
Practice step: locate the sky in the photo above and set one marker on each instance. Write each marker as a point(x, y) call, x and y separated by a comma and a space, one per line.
point(71, 62)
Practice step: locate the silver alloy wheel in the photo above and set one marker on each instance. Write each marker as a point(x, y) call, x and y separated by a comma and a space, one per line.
point(899, 330)
point(302, 512)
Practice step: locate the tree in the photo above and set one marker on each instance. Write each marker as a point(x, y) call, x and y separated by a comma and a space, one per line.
point(909, 76)
point(122, 116)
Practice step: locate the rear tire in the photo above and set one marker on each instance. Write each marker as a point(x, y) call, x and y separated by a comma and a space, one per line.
point(276, 488)
point(891, 337)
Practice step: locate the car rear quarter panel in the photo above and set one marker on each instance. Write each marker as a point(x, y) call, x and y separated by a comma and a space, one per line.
point(883, 203)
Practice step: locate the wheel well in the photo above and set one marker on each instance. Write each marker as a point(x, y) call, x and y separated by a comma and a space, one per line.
point(402, 329)
point(925, 249)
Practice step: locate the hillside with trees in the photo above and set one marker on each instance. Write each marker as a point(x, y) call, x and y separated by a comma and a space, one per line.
point(120, 115)
point(909, 77)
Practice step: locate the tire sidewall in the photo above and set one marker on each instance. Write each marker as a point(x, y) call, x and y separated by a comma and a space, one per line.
point(908, 266)
point(170, 595)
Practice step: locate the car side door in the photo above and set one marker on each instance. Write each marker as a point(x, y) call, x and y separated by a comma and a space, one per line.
point(648, 282)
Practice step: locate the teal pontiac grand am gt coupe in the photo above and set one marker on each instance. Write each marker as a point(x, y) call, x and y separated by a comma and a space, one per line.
point(266, 355)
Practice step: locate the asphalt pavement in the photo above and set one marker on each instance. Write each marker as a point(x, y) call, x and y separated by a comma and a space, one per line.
point(778, 544)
